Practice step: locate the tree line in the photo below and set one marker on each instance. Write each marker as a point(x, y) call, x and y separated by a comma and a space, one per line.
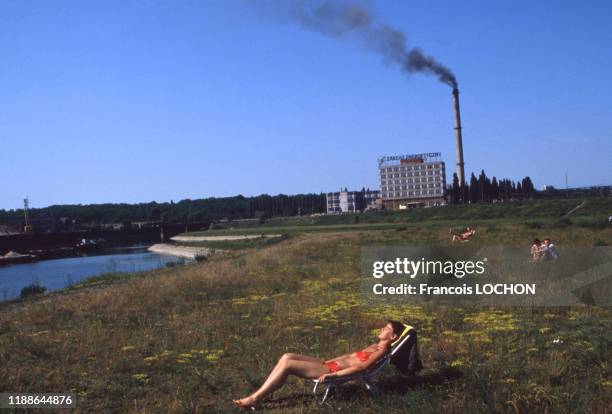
point(184, 211)
point(483, 189)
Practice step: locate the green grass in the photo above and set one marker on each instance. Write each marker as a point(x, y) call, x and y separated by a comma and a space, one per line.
point(103, 278)
point(190, 338)
point(295, 230)
point(531, 213)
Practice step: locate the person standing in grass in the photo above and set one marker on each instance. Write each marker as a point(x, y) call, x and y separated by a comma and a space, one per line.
point(536, 250)
point(304, 366)
point(549, 250)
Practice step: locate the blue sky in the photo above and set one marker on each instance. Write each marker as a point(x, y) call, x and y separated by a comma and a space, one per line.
point(142, 100)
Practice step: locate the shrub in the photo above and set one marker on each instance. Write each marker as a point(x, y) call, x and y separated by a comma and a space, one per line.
point(564, 222)
point(533, 225)
point(200, 258)
point(592, 223)
point(33, 289)
point(178, 262)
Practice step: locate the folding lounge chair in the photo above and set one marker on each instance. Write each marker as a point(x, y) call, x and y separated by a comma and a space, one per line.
point(367, 376)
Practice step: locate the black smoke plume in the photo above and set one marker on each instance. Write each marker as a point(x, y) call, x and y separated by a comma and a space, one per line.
point(342, 19)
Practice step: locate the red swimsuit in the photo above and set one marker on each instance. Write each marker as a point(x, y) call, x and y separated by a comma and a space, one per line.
point(362, 355)
point(333, 366)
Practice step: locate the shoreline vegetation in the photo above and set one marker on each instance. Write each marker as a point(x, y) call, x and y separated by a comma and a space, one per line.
point(189, 338)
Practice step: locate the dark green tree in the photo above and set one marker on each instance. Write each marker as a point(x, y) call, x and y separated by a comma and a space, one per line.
point(473, 189)
point(456, 190)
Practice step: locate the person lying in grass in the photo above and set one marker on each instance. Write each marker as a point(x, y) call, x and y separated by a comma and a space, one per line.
point(463, 237)
point(304, 366)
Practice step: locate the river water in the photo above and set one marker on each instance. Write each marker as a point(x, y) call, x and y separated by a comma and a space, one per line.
point(59, 273)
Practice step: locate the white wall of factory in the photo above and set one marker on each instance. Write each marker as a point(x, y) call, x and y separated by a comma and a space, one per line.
point(412, 180)
point(346, 201)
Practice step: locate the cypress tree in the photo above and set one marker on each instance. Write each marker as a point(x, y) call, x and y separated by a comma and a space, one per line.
point(473, 189)
point(456, 190)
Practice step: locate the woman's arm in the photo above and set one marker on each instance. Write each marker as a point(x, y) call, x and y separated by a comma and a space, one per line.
point(374, 357)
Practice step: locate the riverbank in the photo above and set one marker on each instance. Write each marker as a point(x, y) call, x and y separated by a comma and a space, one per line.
point(59, 273)
point(187, 328)
point(190, 239)
point(187, 252)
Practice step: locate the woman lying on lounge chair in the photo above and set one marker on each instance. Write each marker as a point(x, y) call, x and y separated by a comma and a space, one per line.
point(304, 366)
point(465, 236)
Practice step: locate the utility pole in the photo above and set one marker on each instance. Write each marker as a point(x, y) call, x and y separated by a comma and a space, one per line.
point(27, 228)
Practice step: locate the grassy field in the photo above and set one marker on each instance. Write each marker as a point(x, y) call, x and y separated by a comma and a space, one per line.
point(190, 338)
point(558, 213)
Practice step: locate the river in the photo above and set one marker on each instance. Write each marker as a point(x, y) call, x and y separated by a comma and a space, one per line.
point(59, 273)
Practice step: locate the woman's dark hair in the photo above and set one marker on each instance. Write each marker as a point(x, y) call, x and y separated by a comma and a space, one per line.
point(398, 327)
point(536, 241)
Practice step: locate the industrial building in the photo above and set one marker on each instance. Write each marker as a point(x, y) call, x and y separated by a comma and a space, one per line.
point(351, 201)
point(415, 180)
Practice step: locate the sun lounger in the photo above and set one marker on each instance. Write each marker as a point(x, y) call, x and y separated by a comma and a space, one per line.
point(406, 339)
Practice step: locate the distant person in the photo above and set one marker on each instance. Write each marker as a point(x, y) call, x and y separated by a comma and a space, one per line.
point(536, 250)
point(549, 251)
point(465, 236)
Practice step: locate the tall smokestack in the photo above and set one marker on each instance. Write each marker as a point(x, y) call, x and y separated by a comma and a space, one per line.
point(458, 139)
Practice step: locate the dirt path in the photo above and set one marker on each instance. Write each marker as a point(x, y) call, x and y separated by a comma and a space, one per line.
point(579, 206)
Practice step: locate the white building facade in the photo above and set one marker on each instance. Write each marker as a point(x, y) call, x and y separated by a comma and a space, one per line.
point(415, 180)
point(350, 201)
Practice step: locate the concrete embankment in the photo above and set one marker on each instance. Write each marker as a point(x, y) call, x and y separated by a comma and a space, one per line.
point(187, 252)
point(223, 238)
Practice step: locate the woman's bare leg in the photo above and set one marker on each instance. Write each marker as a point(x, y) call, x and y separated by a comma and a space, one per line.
point(299, 357)
point(291, 357)
point(302, 369)
point(310, 368)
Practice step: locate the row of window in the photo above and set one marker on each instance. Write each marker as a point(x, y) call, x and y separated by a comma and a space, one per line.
point(410, 181)
point(411, 187)
point(352, 194)
point(418, 167)
point(410, 174)
point(399, 194)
